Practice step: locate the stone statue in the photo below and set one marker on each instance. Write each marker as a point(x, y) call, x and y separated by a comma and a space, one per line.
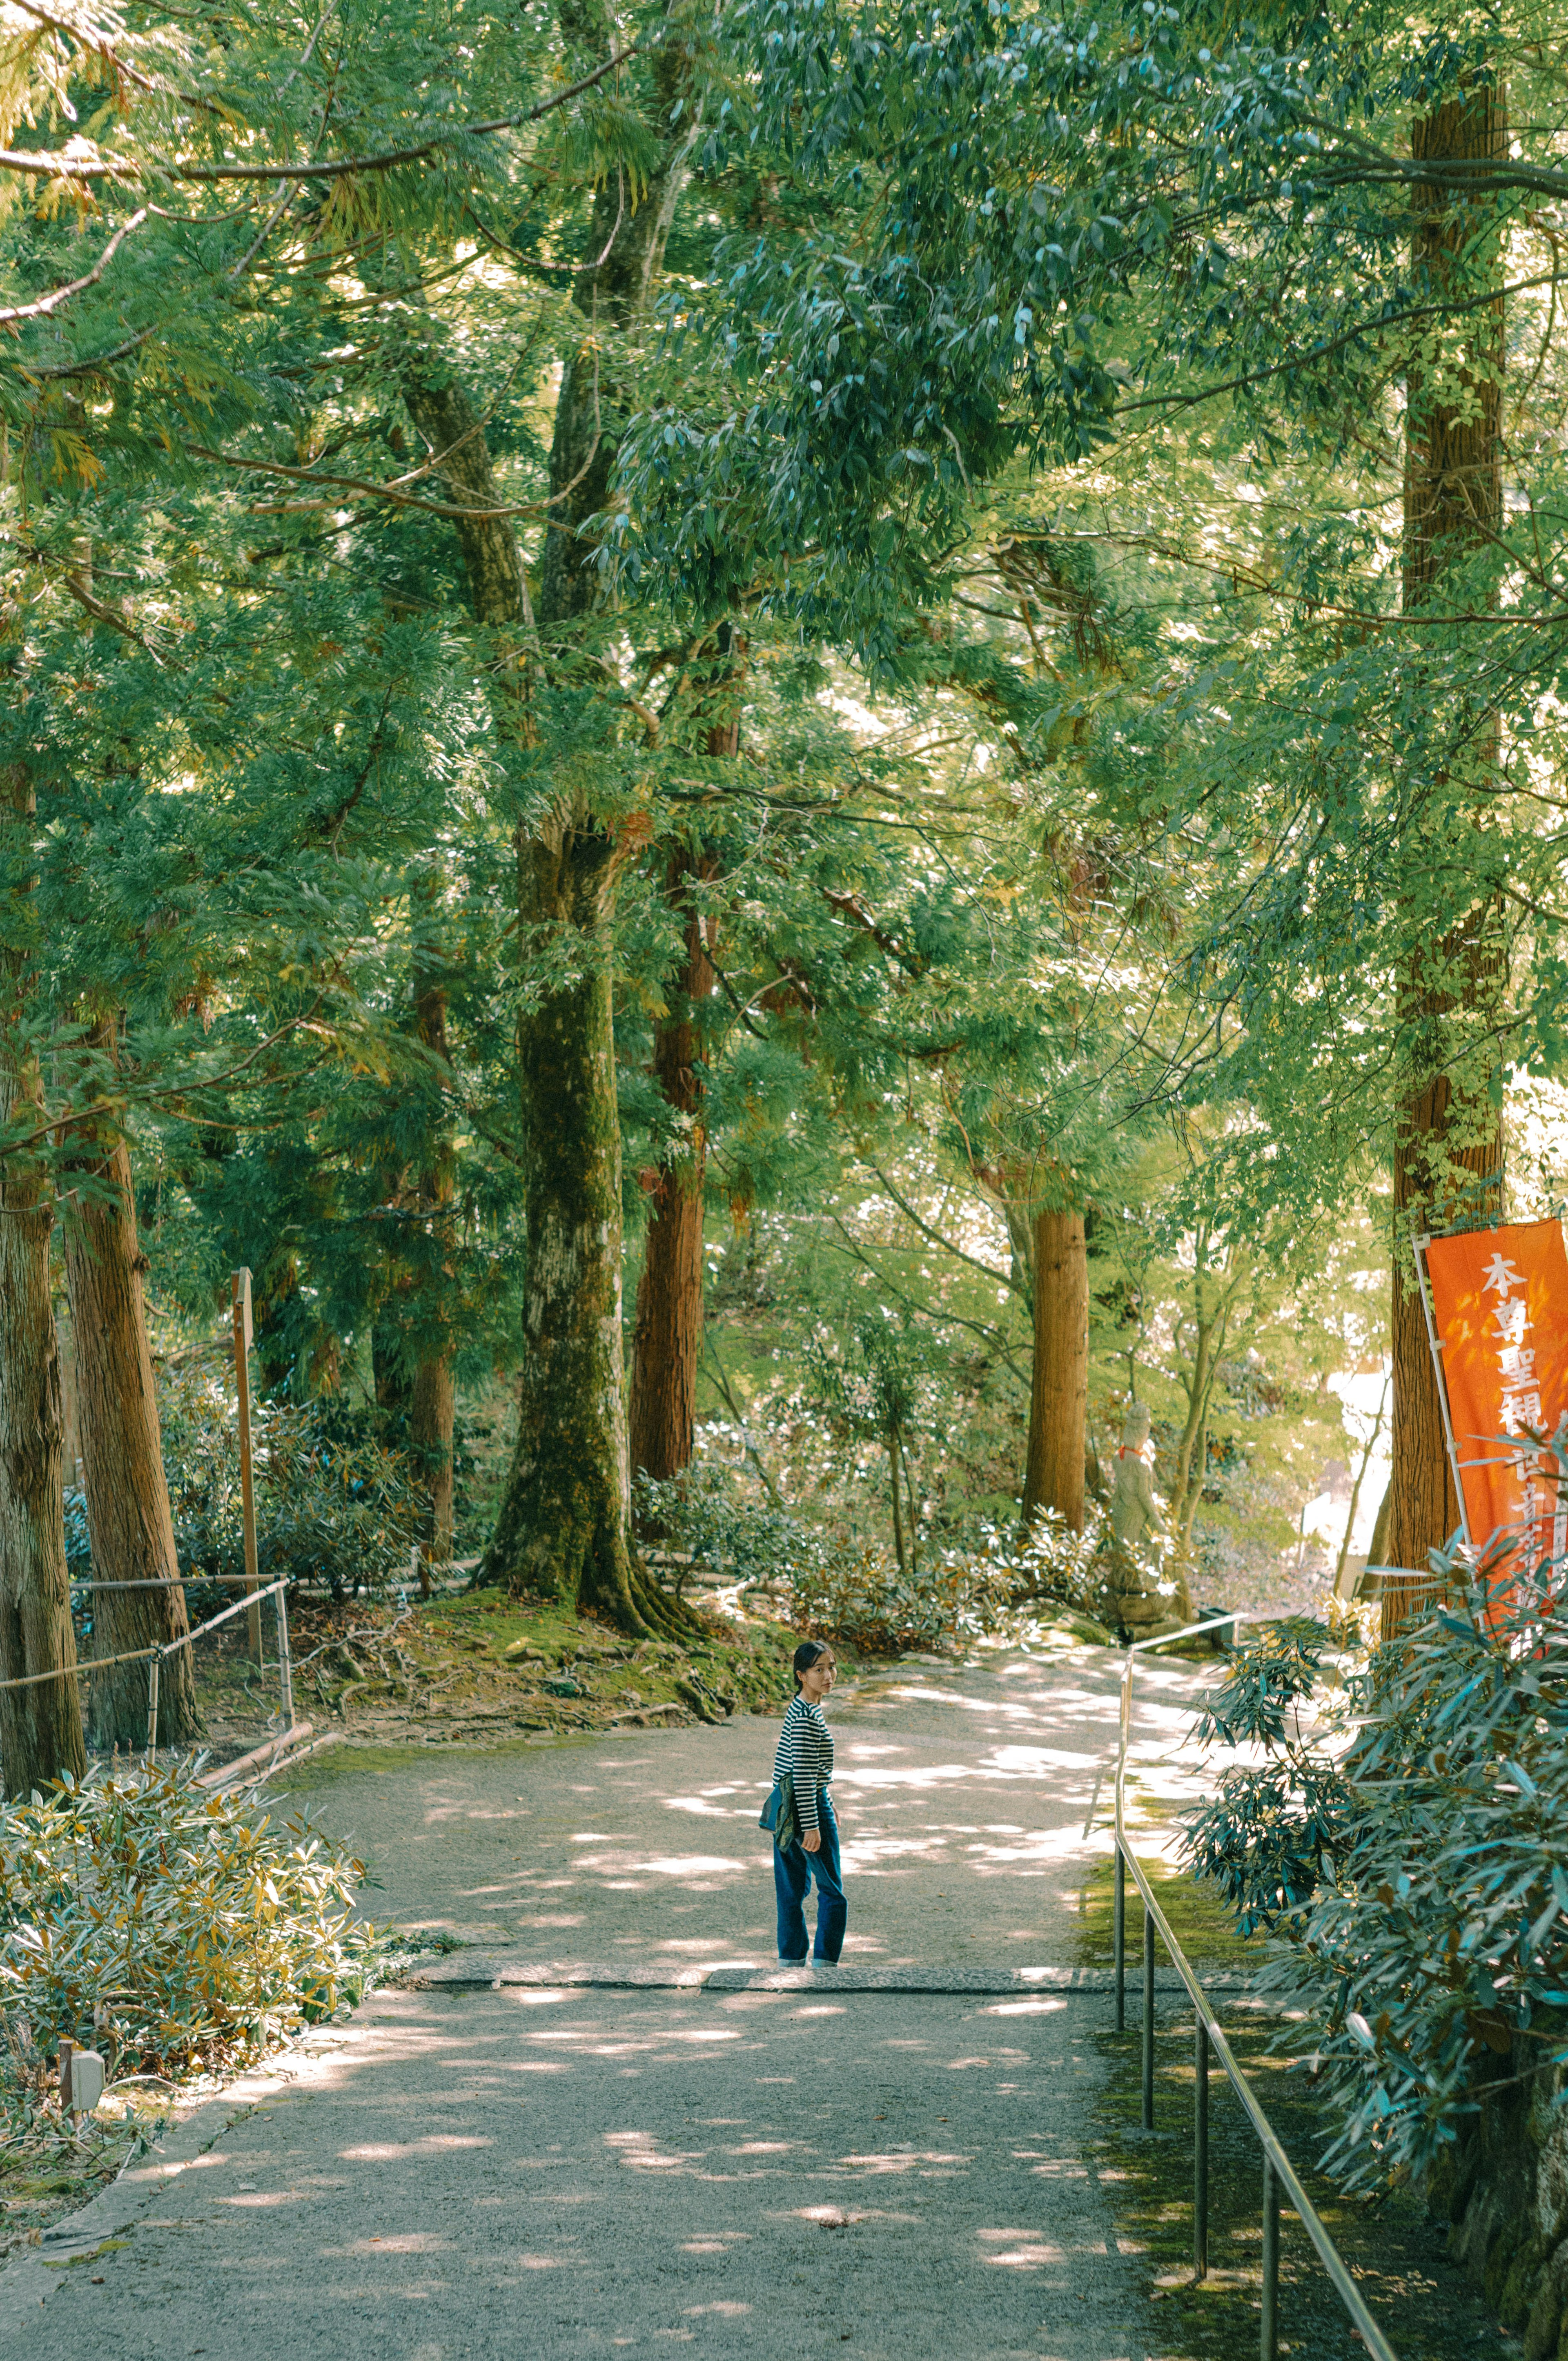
point(1148, 1594)
point(1135, 1512)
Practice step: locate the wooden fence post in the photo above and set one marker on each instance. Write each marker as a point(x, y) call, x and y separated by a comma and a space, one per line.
point(247, 1488)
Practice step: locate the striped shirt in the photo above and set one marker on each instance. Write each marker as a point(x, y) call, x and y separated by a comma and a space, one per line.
point(805, 1752)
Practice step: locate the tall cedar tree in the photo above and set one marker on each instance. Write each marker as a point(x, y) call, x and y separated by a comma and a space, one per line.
point(129, 1518)
point(667, 1341)
point(563, 1524)
point(40, 1723)
point(1448, 1149)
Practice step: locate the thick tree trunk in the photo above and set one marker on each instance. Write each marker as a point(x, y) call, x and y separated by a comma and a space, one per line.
point(667, 1344)
point(430, 1413)
point(562, 1524)
point(431, 1401)
point(668, 1336)
point(1448, 1132)
point(1058, 1395)
point(898, 1546)
point(122, 1450)
point(40, 1726)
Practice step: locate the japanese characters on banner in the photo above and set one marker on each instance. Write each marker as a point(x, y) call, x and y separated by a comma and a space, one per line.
point(1500, 1301)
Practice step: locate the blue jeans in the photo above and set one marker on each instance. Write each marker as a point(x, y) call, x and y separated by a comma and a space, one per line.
point(793, 1870)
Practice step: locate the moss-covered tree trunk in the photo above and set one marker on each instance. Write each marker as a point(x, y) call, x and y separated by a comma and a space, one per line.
point(1448, 1125)
point(40, 1726)
point(128, 1516)
point(562, 1524)
point(1058, 1391)
point(431, 1396)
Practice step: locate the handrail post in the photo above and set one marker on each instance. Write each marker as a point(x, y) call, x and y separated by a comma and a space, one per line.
point(1119, 1927)
point(1268, 2343)
point(1201, 2151)
point(1149, 2018)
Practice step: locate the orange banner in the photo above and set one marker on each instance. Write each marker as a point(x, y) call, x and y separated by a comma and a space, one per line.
point(1500, 1300)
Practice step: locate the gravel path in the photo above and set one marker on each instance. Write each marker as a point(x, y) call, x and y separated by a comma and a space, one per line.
point(554, 2169)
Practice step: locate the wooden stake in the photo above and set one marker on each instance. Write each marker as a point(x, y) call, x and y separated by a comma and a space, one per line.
point(246, 1490)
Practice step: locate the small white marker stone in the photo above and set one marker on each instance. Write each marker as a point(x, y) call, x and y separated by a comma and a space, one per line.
point(86, 2081)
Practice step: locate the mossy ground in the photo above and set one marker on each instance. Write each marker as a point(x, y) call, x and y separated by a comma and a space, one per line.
point(480, 1668)
point(1428, 2308)
point(49, 2173)
point(1199, 1919)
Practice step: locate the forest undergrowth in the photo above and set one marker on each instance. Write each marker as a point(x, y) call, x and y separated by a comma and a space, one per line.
point(479, 1666)
point(179, 1931)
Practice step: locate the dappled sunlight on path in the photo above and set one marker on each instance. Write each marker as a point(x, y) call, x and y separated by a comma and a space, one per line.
point(558, 2174)
point(893, 2160)
point(962, 1791)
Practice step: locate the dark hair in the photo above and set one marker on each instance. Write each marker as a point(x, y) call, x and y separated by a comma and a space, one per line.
point(809, 1652)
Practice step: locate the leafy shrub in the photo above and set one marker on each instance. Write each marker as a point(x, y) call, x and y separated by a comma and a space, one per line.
point(859, 1595)
point(333, 1504)
point(865, 1599)
point(701, 1513)
point(1273, 1833)
point(1051, 1562)
point(174, 1928)
point(1411, 1855)
point(865, 1602)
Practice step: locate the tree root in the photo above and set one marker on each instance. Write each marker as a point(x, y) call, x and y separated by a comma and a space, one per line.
point(666, 1616)
point(639, 1605)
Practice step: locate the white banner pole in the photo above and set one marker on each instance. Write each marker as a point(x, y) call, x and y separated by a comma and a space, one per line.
point(1419, 1250)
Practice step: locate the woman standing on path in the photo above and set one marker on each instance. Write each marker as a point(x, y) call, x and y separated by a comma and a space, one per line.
point(806, 1756)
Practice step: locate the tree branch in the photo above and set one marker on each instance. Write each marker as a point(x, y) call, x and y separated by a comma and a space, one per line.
point(48, 303)
point(44, 164)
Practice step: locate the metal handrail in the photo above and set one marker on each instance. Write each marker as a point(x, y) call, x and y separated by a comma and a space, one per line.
point(1279, 2173)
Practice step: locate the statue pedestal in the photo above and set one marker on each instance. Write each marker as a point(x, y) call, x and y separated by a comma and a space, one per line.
point(1138, 1601)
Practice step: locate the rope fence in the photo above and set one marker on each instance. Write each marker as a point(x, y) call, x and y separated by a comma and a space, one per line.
point(160, 1652)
